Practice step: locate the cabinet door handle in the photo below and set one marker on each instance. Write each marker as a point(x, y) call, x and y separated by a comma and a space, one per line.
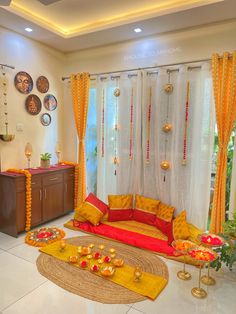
point(45, 193)
point(32, 183)
point(66, 187)
point(40, 194)
point(53, 179)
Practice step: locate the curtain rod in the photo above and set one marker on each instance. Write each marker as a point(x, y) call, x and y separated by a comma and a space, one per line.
point(7, 66)
point(145, 68)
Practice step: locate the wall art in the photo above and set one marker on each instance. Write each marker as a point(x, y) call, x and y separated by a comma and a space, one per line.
point(42, 84)
point(23, 82)
point(33, 104)
point(50, 102)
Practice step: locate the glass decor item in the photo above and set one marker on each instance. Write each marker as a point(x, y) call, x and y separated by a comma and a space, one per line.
point(58, 152)
point(28, 153)
point(137, 273)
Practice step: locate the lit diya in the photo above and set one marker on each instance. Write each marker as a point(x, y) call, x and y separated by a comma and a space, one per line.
point(210, 240)
point(108, 271)
point(73, 259)
point(203, 255)
point(118, 262)
point(84, 250)
point(182, 247)
point(94, 268)
point(83, 264)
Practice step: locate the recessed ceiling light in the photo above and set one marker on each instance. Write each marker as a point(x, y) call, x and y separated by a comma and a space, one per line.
point(28, 29)
point(138, 30)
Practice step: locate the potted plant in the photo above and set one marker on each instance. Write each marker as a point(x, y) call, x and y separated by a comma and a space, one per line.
point(45, 160)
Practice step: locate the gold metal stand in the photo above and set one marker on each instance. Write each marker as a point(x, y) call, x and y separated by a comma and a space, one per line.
point(207, 279)
point(198, 292)
point(183, 274)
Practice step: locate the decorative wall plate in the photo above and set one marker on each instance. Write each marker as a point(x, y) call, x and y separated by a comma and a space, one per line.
point(33, 104)
point(50, 102)
point(23, 82)
point(45, 119)
point(42, 84)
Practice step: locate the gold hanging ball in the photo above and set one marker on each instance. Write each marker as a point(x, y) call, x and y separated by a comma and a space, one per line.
point(117, 92)
point(165, 165)
point(167, 127)
point(168, 88)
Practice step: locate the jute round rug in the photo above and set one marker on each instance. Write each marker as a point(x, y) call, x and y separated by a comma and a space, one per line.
point(93, 287)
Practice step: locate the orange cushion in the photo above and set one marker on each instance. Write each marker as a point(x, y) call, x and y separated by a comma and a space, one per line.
point(120, 207)
point(165, 212)
point(92, 210)
point(145, 209)
point(180, 227)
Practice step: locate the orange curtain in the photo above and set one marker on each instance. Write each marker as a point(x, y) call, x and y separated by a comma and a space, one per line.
point(224, 82)
point(80, 96)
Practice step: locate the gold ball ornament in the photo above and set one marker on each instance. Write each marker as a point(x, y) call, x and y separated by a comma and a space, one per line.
point(168, 88)
point(165, 165)
point(117, 92)
point(167, 128)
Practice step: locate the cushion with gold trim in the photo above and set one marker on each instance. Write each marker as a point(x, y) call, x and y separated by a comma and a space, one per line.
point(178, 229)
point(120, 207)
point(165, 212)
point(92, 210)
point(145, 209)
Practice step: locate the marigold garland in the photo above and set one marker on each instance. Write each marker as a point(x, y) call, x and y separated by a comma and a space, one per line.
point(28, 196)
point(76, 179)
point(103, 119)
point(149, 126)
point(131, 125)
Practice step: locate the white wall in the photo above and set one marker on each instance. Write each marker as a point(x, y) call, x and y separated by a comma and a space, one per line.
point(36, 59)
point(182, 46)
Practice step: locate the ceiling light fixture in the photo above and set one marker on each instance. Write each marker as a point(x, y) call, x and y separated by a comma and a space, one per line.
point(28, 29)
point(138, 30)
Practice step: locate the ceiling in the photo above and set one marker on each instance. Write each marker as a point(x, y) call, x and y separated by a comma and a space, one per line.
point(69, 25)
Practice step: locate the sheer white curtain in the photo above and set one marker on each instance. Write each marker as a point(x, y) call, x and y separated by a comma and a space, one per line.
point(185, 187)
point(117, 137)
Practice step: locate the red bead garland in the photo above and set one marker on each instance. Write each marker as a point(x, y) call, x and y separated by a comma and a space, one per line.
point(186, 126)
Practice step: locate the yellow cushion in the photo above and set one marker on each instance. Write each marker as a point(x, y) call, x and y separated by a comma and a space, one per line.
point(120, 201)
point(194, 233)
point(146, 204)
point(180, 227)
point(165, 212)
point(78, 217)
point(90, 213)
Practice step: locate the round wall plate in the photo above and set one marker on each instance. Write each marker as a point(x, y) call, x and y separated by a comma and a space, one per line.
point(33, 104)
point(50, 102)
point(45, 119)
point(23, 82)
point(42, 84)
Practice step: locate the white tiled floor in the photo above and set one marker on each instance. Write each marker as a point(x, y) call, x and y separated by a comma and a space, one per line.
point(24, 291)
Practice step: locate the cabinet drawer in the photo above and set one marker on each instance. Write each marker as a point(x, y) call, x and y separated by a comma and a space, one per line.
point(35, 182)
point(52, 178)
point(69, 174)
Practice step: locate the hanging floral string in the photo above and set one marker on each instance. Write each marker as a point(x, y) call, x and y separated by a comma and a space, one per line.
point(116, 94)
point(149, 126)
point(76, 179)
point(131, 125)
point(28, 196)
point(184, 161)
point(103, 119)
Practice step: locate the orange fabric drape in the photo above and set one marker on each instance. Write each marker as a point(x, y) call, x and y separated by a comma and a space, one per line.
point(224, 83)
point(80, 96)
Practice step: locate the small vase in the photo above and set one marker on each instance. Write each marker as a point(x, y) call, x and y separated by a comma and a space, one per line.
point(45, 163)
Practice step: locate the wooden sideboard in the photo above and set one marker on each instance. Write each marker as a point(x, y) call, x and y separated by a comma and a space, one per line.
point(52, 196)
